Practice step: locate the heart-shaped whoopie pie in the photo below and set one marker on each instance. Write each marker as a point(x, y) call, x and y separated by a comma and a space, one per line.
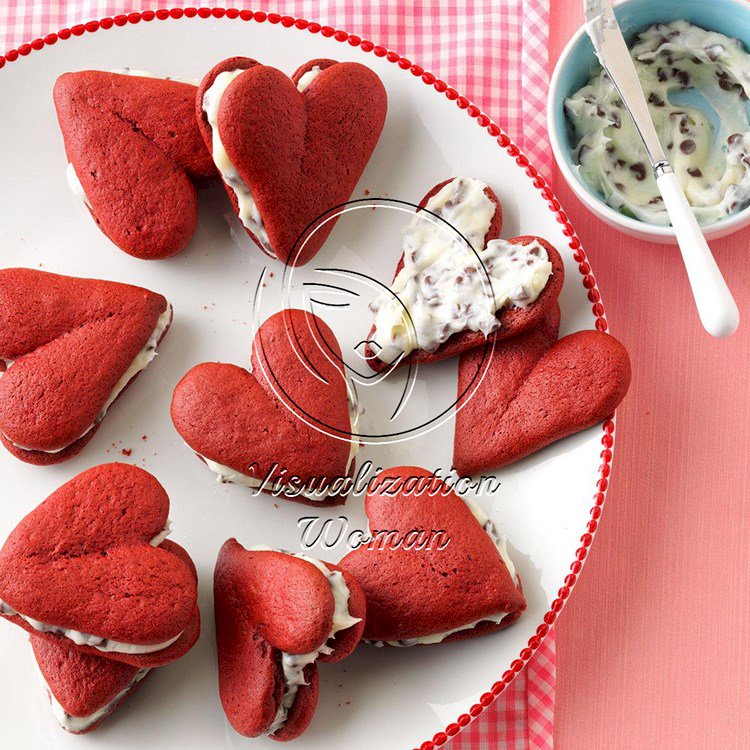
point(435, 570)
point(68, 348)
point(536, 390)
point(471, 208)
point(290, 149)
point(276, 615)
point(84, 689)
point(84, 567)
point(134, 151)
point(288, 417)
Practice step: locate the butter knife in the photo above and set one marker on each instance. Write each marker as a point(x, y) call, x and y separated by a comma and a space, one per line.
point(716, 306)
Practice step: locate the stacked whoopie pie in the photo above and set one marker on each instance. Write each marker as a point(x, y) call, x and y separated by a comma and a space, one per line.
point(69, 348)
point(104, 595)
point(90, 574)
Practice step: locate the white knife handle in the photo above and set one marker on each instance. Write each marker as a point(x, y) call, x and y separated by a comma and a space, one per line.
point(716, 306)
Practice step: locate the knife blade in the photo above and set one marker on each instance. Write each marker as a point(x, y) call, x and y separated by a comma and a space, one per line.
point(613, 53)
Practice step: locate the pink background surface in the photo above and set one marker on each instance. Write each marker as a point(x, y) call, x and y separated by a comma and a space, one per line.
point(652, 648)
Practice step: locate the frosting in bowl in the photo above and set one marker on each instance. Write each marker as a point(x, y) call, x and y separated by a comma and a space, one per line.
point(696, 82)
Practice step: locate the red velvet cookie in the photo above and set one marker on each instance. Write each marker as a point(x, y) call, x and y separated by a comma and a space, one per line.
point(135, 151)
point(512, 319)
point(518, 356)
point(83, 567)
point(290, 149)
point(423, 587)
point(68, 348)
point(84, 689)
point(536, 392)
point(277, 614)
point(278, 420)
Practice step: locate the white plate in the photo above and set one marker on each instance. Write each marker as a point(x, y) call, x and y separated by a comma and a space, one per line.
point(395, 698)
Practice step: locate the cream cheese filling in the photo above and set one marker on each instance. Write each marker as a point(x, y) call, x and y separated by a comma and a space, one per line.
point(74, 183)
point(501, 545)
point(293, 665)
point(162, 535)
point(227, 475)
point(79, 724)
point(249, 214)
point(106, 645)
point(141, 362)
point(445, 287)
point(307, 78)
point(427, 640)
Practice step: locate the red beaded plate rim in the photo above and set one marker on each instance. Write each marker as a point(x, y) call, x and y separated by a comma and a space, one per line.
point(504, 141)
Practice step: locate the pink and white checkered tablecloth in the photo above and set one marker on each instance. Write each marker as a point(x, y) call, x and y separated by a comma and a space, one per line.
point(495, 53)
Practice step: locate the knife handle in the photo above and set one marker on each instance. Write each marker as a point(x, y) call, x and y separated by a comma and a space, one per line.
point(716, 306)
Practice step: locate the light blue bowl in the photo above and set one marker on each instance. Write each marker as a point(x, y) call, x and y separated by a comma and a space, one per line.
point(578, 61)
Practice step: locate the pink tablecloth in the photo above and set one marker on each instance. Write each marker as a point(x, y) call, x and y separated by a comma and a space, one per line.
point(495, 53)
point(653, 644)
